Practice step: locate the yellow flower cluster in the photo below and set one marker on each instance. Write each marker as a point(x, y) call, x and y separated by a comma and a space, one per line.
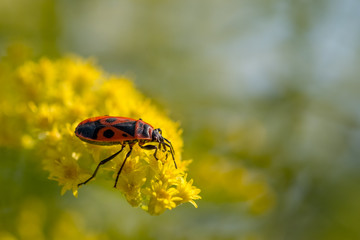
point(33, 223)
point(42, 103)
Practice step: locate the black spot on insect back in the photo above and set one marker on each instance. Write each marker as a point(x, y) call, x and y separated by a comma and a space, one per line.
point(85, 130)
point(143, 131)
point(108, 133)
point(146, 132)
point(127, 127)
point(110, 120)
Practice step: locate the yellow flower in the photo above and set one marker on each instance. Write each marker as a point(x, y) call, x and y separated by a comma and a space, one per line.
point(33, 222)
point(51, 97)
point(187, 192)
point(162, 197)
point(132, 180)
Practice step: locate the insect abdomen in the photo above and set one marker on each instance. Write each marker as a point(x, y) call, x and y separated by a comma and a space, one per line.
point(106, 131)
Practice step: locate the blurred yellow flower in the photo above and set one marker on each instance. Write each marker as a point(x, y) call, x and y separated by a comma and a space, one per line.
point(33, 221)
point(49, 98)
point(234, 183)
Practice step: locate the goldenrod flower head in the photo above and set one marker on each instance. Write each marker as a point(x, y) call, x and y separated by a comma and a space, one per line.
point(33, 222)
point(162, 197)
point(51, 97)
point(187, 192)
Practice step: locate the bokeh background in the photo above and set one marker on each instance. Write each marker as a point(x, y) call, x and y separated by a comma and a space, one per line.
point(267, 93)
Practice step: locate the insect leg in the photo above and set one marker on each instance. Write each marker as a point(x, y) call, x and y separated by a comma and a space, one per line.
point(171, 150)
point(150, 147)
point(164, 148)
point(101, 163)
point(127, 155)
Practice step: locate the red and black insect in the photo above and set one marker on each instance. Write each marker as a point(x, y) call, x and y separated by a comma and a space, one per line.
point(106, 130)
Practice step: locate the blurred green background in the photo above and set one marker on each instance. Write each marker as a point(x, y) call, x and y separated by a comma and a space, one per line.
point(267, 93)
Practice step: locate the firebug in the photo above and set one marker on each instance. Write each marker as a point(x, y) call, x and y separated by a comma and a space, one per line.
point(108, 130)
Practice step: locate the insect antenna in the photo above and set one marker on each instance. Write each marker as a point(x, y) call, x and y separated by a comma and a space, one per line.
point(171, 150)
